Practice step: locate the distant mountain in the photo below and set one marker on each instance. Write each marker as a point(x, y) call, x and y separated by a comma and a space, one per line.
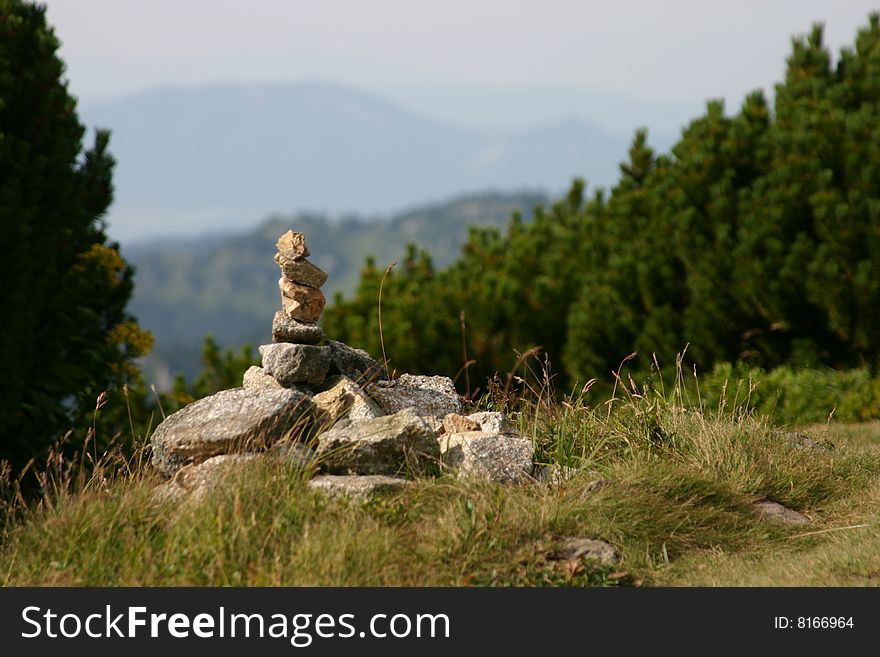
point(198, 158)
point(227, 285)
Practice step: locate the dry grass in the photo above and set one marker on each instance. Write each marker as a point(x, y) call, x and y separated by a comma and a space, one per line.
point(681, 482)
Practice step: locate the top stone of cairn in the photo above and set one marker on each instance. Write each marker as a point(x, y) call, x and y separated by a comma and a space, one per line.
point(300, 280)
point(292, 246)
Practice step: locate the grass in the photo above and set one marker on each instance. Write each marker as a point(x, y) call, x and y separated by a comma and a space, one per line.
point(678, 484)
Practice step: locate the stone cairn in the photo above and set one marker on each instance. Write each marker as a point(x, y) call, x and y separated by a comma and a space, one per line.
point(299, 354)
point(329, 408)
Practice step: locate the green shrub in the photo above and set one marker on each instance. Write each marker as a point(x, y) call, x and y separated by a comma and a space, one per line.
point(793, 396)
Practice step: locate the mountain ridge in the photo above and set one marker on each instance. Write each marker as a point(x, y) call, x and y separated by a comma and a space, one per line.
point(224, 155)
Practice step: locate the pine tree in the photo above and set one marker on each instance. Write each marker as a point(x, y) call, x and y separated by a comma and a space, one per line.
point(65, 336)
point(755, 240)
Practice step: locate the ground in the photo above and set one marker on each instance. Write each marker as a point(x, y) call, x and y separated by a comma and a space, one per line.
point(675, 496)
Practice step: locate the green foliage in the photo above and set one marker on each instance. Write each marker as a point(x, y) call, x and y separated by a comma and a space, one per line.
point(221, 370)
point(793, 395)
point(65, 337)
point(756, 240)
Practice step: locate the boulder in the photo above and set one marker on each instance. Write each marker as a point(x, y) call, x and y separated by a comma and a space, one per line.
point(290, 363)
point(778, 513)
point(429, 395)
point(357, 488)
point(292, 246)
point(391, 444)
point(230, 421)
point(301, 302)
point(356, 364)
point(802, 441)
point(573, 548)
point(285, 329)
point(490, 456)
point(197, 479)
point(255, 378)
point(344, 398)
point(301, 271)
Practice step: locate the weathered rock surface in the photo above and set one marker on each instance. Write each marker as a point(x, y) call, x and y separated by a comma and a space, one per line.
point(230, 421)
point(290, 364)
point(492, 456)
point(801, 441)
point(492, 421)
point(356, 364)
point(255, 378)
point(393, 444)
point(489, 421)
point(429, 395)
point(292, 246)
point(293, 453)
point(455, 423)
point(442, 385)
point(357, 487)
point(573, 548)
point(197, 479)
point(301, 302)
point(555, 474)
point(778, 513)
point(285, 329)
point(301, 271)
point(344, 398)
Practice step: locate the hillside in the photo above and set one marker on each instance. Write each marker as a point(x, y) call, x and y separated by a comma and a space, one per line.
point(226, 284)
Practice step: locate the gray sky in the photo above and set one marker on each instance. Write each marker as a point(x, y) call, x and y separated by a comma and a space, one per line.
point(437, 55)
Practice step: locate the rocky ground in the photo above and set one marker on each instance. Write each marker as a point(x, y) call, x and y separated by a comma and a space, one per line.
point(331, 408)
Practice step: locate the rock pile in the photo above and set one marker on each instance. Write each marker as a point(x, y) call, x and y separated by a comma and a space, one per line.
point(298, 353)
point(330, 408)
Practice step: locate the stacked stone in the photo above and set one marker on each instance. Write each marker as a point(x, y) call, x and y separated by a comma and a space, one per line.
point(299, 354)
point(365, 431)
point(300, 285)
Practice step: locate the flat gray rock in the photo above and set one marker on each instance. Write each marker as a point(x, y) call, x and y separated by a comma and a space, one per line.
point(393, 444)
point(230, 421)
point(428, 395)
point(356, 364)
point(290, 364)
point(285, 329)
point(572, 548)
point(357, 487)
point(490, 456)
point(778, 513)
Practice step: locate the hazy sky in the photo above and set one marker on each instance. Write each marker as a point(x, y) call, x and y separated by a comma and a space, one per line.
point(619, 64)
point(415, 51)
